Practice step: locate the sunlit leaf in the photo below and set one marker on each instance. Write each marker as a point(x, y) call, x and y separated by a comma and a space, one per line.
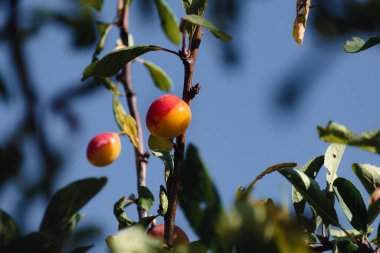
point(146, 198)
point(310, 191)
point(337, 133)
point(8, 229)
point(333, 156)
point(357, 44)
point(110, 64)
point(96, 4)
point(67, 201)
point(352, 203)
point(369, 176)
point(197, 20)
point(160, 78)
point(163, 201)
point(126, 122)
point(156, 143)
point(299, 28)
point(168, 21)
point(133, 240)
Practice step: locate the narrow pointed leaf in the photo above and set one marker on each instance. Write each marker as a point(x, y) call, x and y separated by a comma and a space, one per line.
point(169, 22)
point(369, 176)
point(96, 4)
point(199, 198)
point(67, 202)
point(352, 203)
point(163, 201)
point(358, 44)
point(103, 29)
point(146, 198)
point(110, 64)
point(167, 158)
point(126, 122)
point(197, 20)
point(299, 27)
point(160, 78)
point(310, 191)
point(333, 156)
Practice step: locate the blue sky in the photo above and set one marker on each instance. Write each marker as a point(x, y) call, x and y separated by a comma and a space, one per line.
point(235, 124)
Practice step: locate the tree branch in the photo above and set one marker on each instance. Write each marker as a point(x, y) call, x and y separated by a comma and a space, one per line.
point(140, 157)
point(187, 95)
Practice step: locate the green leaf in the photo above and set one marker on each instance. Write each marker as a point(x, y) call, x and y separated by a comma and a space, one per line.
point(37, 242)
point(160, 78)
point(310, 191)
point(337, 133)
point(103, 29)
point(196, 7)
point(110, 64)
point(8, 229)
point(369, 176)
point(67, 201)
point(196, 247)
point(333, 156)
point(126, 122)
point(168, 160)
point(243, 193)
point(146, 198)
point(340, 235)
point(163, 201)
point(120, 214)
point(133, 240)
point(357, 44)
point(156, 143)
point(96, 4)
point(352, 203)
point(311, 169)
point(197, 20)
point(199, 198)
point(168, 21)
point(146, 221)
point(373, 211)
point(82, 249)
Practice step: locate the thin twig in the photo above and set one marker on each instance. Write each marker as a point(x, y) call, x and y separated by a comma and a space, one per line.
point(140, 157)
point(187, 96)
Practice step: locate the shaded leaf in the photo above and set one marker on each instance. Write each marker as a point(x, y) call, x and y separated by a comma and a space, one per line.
point(196, 247)
point(163, 201)
point(168, 160)
point(197, 20)
point(357, 44)
point(146, 221)
point(133, 240)
point(369, 176)
point(67, 201)
point(310, 191)
point(156, 143)
point(83, 249)
point(120, 214)
point(8, 229)
point(168, 21)
point(373, 211)
point(299, 27)
point(146, 198)
point(160, 78)
point(196, 7)
point(333, 156)
point(96, 4)
point(111, 63)
point(311, 169)
point(352, 203)
point(126, 122)
point(199, 198)
point(103, 29)
point(337, 133)
point(37, 242)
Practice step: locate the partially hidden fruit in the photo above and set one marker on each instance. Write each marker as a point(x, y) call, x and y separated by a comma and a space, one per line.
point(168, 117)
point(179, 236)
point(103, 149)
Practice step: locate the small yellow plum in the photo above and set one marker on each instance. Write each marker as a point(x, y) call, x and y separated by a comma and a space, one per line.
point(103, 149)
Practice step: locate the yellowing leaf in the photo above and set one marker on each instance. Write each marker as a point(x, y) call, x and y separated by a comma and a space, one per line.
point(126, 122)
point(299, 28)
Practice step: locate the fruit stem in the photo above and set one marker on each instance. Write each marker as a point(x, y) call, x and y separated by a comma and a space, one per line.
point(187, 95)
point(126, 80)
